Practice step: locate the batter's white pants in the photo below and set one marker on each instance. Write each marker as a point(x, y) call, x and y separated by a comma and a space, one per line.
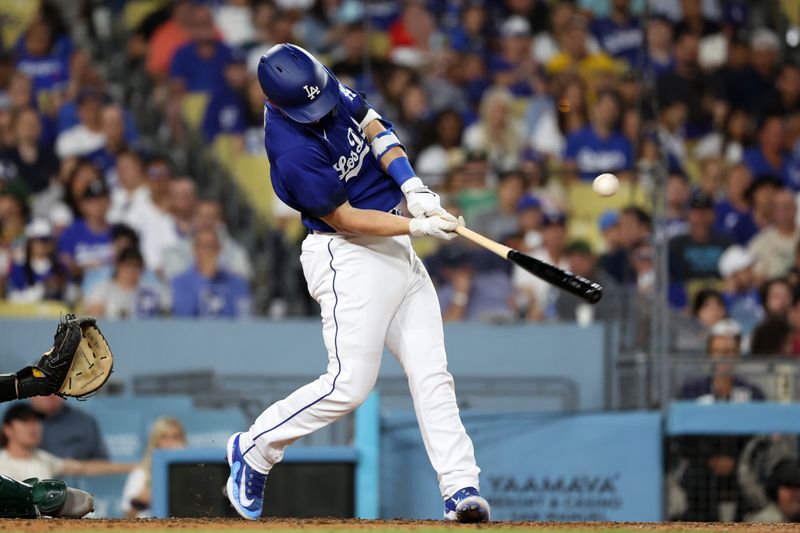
point(373, 291)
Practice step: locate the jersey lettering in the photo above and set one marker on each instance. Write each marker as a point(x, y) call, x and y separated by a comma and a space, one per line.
point(347, 92)
point(349, 166)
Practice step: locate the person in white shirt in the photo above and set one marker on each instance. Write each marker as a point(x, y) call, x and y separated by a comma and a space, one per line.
point(21, 457)
point(131, 204)
point(537, 296)
point(234, 20)
point(167, 433)
point(86, 136)
point(182, 203)
point(234, 257)
point(498, 132)
point(130, 200)
point(128, 294)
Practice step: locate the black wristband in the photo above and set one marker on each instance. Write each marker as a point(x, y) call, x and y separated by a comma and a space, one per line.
point(8, 387)
point(30, 385)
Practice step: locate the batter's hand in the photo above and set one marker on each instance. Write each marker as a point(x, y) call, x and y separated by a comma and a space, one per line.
point(436, 226)
point(423, 202)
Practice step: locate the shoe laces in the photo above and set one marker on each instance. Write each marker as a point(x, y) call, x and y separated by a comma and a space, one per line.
point(255, 483)
point(465, 493)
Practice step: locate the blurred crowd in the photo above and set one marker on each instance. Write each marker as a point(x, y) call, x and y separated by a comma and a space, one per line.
point(508, 108)
point(91, 215)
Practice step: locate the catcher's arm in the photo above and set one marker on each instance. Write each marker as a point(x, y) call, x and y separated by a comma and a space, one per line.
point(24, 384)
point(78, 364)
point(8, 387)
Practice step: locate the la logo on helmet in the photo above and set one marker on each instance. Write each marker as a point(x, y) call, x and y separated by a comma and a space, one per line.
point(312, 91)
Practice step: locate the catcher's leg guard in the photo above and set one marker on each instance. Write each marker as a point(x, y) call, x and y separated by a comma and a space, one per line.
point(53, 497)
point(49, 495)
point(16, 499)
point(77, 505)
point(33, 498)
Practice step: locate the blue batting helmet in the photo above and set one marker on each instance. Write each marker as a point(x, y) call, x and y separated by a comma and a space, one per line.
point(297, 83)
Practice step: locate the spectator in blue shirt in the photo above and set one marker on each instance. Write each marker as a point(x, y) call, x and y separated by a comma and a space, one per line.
point(206, 290)
point(473, 285)
point(769, 156)
point(85, 245)
point(759, 197)
point(514, 67)
point(739, 290)
point(678, 192)
point(620, 33)
point(472, 34)
point(44, 57)
point(41, 276)
point(599, 147)
point(226, 109)
point(658, 52)
point(695, 254)
point(730, 209)
point(198, 65)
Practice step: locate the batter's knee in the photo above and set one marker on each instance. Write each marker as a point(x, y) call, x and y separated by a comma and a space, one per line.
point(353, 388)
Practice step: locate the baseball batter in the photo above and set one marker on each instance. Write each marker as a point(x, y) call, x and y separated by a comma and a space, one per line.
point(336, 161)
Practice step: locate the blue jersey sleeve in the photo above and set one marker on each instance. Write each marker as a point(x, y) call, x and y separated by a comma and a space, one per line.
point(311, 181)
point(354, 102)
point(357, 105)
point(179, 68)
point(571, 149)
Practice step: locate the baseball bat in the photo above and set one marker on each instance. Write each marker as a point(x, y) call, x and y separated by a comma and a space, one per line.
point(567, 281)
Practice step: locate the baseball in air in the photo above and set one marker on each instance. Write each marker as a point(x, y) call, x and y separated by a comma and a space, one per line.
point(605, 184)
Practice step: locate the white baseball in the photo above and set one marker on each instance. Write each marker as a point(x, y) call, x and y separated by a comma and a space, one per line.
point(606, 184)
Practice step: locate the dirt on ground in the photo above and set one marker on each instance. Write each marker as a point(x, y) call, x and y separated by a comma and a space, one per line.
point(275, 524)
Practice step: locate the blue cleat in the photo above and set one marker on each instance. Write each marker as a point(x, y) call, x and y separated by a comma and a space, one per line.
point(467, 506)
point(245, 488)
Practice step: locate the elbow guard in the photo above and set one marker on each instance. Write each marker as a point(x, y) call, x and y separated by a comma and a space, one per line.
point(366, 116)
point(383, 142)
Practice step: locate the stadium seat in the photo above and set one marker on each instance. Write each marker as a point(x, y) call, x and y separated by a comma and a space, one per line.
point(251, 173)
point(379, 43)
point(226, 149)
point(45, 309)
point(587, 207)
point(136, 12)
point(193, 108)
point(587, 204)
point(790, 11)
point(587, 230)
point(694, 286)
point(16, 16)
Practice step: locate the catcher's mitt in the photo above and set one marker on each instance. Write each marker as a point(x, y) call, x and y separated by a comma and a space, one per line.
point(79, 363)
